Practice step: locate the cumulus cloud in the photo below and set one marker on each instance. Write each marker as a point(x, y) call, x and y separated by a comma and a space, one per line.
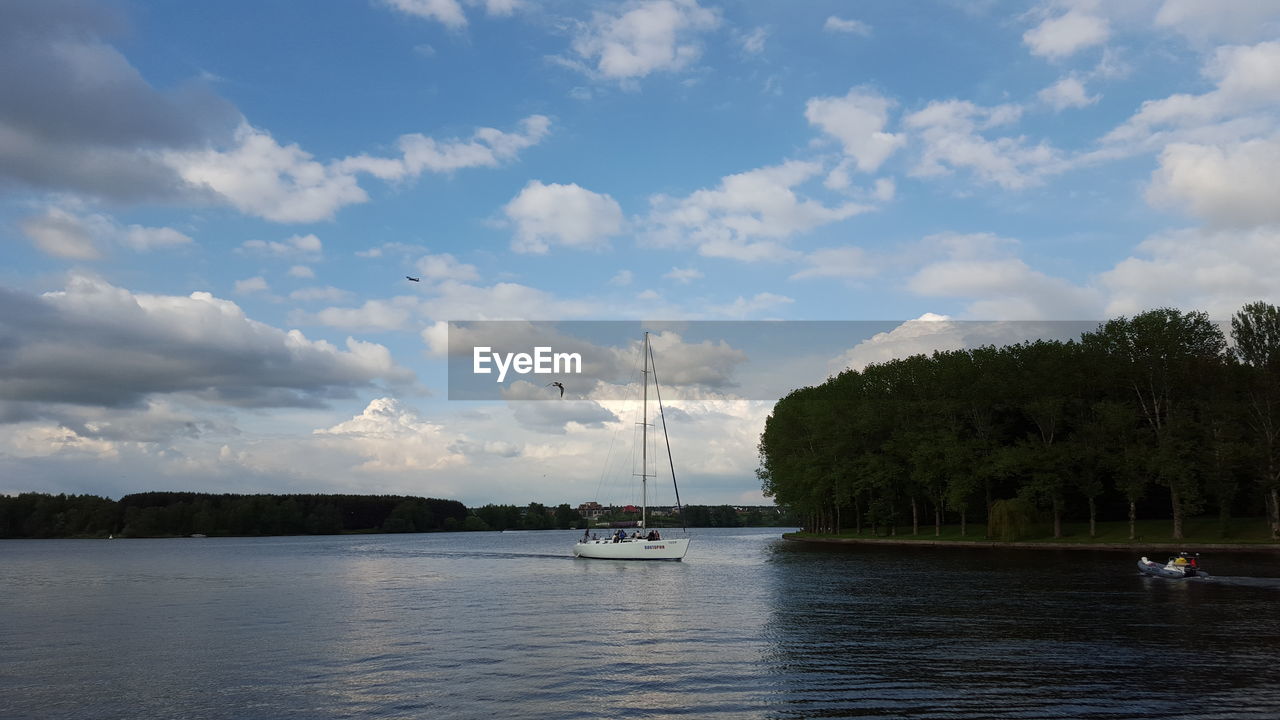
point(567, 215)
point(1063, 35)
point(982, 268)
point(390, 437)
point(1246, 79)
point(284, 183)
point(64, 234)
point(1232, 185)
point(646, 36)
point(252, 285)
point(951, 133)
point(932, 332)
point(445, 266)
point(743, 308)
point(857, 120)
point(1069, 92)
point(749, 216)
point(95, 344)
point(1216, 271)
point(372, 316)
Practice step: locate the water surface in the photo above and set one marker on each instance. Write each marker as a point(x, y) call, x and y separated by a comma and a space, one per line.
point(509, 625)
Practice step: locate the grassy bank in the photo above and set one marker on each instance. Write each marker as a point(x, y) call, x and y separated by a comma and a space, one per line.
point(1199, 532)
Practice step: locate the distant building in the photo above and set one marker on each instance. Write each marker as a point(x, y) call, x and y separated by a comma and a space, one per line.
point(590, 510)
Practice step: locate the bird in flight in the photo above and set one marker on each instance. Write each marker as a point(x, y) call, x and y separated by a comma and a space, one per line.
point(559, 385)
point(411, 278)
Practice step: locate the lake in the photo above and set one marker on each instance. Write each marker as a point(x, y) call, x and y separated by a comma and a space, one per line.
point(509, 625)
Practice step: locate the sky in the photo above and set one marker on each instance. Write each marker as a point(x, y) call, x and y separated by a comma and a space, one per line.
point(208, 212)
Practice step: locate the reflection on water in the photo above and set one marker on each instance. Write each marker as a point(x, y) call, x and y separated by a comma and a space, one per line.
point(1068, 634)
point(510, 625)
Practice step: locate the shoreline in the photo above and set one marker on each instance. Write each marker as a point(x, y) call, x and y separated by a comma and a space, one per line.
point(1189, 546)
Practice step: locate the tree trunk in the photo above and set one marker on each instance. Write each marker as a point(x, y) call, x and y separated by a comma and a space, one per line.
point(857, 513)
point(1093, 517)
point(1133, 519)
point(937, 519)
point(915, 517)
point(1057, 517)
point(1275, 515)
point(963, 531)
point(1175, 498)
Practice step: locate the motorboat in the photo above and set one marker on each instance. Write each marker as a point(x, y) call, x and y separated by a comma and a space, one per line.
point(1179, 567)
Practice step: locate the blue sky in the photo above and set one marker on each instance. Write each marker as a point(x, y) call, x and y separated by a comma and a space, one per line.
point(208, 212)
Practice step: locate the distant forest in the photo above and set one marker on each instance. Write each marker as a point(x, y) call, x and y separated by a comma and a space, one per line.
point(167, 514)
point(1153, 415)
point(176, 514)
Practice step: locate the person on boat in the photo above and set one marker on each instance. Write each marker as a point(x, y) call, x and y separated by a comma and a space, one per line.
point(586, 534)
point(620, 536)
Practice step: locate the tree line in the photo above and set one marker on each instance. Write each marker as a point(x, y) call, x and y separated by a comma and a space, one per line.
point(168, 514)
point(1153, 413)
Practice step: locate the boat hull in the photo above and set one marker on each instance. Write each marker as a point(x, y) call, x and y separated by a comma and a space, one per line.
point(632, 549)
point(1157, 570)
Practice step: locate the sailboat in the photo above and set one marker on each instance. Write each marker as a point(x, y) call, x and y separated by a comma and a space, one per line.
point(641, 545)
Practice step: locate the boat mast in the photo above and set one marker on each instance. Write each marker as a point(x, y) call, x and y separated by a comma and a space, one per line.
point(644, 439)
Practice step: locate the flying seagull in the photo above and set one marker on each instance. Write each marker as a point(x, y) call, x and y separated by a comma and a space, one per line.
point(559, 385)
point(412, 279)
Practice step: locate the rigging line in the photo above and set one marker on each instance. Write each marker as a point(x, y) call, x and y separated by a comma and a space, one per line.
point(613, 439)
point(665, 436)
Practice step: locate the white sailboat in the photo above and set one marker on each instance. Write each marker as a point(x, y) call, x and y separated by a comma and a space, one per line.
point(641, 545)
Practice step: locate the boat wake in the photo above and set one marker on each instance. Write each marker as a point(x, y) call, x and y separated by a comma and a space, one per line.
point(1254, 582)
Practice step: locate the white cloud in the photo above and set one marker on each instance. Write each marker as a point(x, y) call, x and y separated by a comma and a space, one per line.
point(1247, 79)
point(565, 215)
point(248, 286)
point(64, 234)
point(1232, 185)
point(260, 177)
point(301, 271)
point(285, 184)
point(753, 42)
point(683, 275)
point(324, 294)
point(647, 36)
point(931, 333)
point(391, 438)
point(743, 308)
point(1069, 92)
point(373, 316)
point(840, 25)
point(1064, 35)
point(1238, 21)
point(487, 147)
point(951, 132)
point(445, 267)
point(447, 12)
point(1213, 271)
point(981, 268)
point(308, 246)
point(622, 278)
point(839, 262)
point(857, 120)
point(748, 216)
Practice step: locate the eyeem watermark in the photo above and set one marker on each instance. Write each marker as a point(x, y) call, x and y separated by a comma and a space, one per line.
point(543, 361)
